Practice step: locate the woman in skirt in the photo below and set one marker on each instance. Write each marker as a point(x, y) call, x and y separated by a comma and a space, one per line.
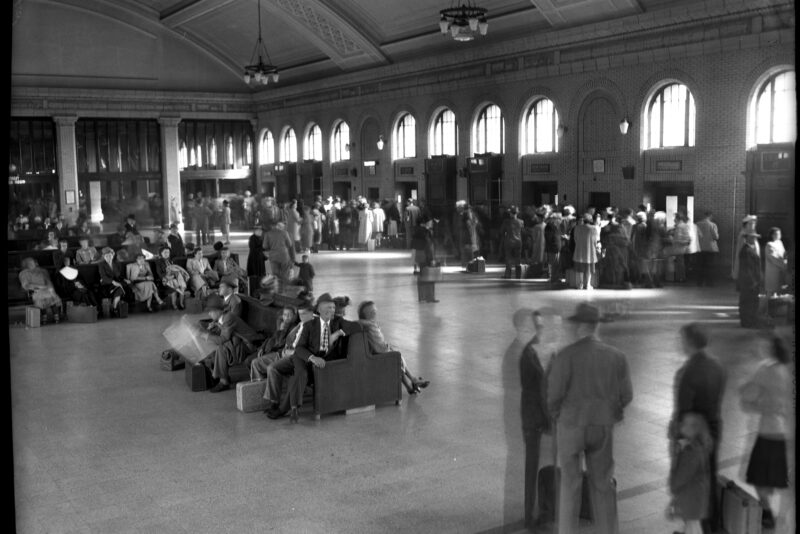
point(769, 394)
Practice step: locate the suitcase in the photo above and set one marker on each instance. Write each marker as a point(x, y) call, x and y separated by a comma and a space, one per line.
point(193, 305)
point(171, 361)
point(250, 396)
point(33, 317)
point(740, 512)
point(198, 377)
point(572, 278)
point(476, 266)
point(123, 309)
point(430, 274)
point(82, 314)
point(106, 306)
point(426, 292)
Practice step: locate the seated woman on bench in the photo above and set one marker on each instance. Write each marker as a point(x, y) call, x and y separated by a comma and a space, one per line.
point(36, 280)
point(86, 254)
point(73, 286)
point(111, 279)
point(203, 277)
point(173, 278)
point(143, 282)
point(367, 316)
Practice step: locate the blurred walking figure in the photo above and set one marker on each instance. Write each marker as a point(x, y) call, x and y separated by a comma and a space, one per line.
point(588, 388)
point(707, 236)
point(769, 394)
point(749, 280)
point(699, 386)
point(775, 263)
point(688, 476)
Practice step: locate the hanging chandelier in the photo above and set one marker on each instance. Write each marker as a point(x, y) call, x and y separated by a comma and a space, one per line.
point(260, 73)
point(463, 22)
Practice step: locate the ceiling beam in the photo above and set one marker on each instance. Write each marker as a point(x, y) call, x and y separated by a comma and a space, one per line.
point(187, 12)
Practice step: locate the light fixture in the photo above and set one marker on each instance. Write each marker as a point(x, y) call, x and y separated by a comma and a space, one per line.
point(463, 22)
point(561, 130)
point(381, 142)
point(624, 125)
point(260, 73)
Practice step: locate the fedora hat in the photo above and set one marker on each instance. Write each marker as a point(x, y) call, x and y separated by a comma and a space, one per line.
point(325, 297)
point(587, 313)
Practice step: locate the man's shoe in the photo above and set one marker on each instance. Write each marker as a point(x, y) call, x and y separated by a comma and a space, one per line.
point(293, 416)
point(273, 407)
point(220, 387)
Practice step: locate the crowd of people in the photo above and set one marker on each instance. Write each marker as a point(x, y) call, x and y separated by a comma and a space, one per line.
point(577, 389)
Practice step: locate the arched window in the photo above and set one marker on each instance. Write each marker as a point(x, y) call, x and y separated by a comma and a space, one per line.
point(341, 142)
point(776, 110)
point(289, 146)
point(444, 134)
point(489, 130)
point(267, 148)
point(248, 151)
point(314, 143)
point(541, 122)
point(192, 157)
point(229, 152)
point(405, 137)
point(212, 153)
point(671, 115)
point(183, 156)
point(199, 155)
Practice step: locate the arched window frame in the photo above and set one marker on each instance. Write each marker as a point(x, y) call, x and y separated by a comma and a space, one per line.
point(212, 153)
point(540, 127)
point(247, 151)
point(288, 146)
point(405, 137)
point(444, 134)
point(313, 143)
point(267, 154)
point(199, 155)
point(489, 117)
point(774, 118)
point(340, 142)
point(666, 102)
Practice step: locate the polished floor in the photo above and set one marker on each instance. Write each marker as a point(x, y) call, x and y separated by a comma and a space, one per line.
point(106, 442)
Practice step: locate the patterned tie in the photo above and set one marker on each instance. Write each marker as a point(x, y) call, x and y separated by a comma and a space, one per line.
point(325, 337)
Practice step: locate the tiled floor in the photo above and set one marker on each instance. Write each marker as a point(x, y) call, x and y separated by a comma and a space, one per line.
point(104, 441)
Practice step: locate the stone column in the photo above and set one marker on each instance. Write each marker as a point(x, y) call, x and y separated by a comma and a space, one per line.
point(170, 171)
point(255, 185)
point(67, 167)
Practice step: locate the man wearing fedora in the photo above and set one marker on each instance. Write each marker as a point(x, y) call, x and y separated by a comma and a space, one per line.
point(234, 337)
point(588, 387)
point(749, 280)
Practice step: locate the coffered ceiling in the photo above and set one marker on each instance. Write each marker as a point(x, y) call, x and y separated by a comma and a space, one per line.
point(308, 39)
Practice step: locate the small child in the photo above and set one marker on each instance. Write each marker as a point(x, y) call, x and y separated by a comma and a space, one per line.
point(689, 476)
point(305, 274)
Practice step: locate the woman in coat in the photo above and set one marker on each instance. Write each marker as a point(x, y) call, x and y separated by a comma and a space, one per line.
point(587, 235)
point(36, 280)
point(293, 221)
point(201, 274)
point(143, 282)
point(256, 257)
point(365, 222)
point(307, 229)
point(775, 263)
point(173, 277)
point(111, 279)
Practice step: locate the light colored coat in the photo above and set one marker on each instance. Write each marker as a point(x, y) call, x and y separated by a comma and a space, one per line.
point(586, 238)
point(774, 266)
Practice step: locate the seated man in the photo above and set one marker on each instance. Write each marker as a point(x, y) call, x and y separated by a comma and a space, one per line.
point(227, 267)
point(367, 317)
point(86, 254)
point(231, 303)
point(318, 342)
point(271, 350)
point(234, 337)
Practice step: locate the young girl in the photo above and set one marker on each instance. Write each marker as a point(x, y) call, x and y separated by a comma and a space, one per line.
point(689, 475)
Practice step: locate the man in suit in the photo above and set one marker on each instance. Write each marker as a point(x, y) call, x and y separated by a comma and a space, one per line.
point(234, 337)
point(588, 388)
point(749, 280)
point(279, 401)
point(699, 387)
point(279, 248)
point(226, 266)
point(707, 237)
point(319, 341)
point(272, 348)
point(230, 300)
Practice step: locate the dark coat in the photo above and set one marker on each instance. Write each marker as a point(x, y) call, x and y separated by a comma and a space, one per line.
point(176, 246)
point(534, 394)
point(699, 386)
point(255, 258)
point(309, 343)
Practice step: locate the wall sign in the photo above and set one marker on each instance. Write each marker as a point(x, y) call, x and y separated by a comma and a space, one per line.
point(669, 165)
point(598, 166)
point(69, 196)
point(539, 168)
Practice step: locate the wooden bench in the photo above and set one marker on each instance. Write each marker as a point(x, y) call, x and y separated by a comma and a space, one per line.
point(360, 380)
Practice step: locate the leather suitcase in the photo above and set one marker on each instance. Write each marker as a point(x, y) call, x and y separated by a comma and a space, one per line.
point(171, 361)
point(193, 305)
point(572, 278)
point(476, 266)
point(106, 305)
point(250, 396)
point(740, 511)
point(82, 314)
point(123, 309)
point(198, 377)
point(33, 317)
